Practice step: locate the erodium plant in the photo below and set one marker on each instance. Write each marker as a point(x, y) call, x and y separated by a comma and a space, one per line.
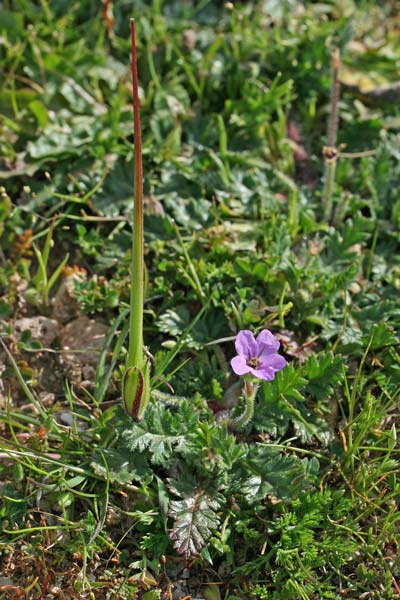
point(136, 383)
point(256, 359)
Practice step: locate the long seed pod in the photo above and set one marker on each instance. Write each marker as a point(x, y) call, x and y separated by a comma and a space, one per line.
point(136, 385)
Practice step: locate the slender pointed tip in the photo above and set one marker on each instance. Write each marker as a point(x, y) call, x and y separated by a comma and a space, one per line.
point(133, 41)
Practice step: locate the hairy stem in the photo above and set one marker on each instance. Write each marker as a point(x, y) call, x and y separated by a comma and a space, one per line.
point(335, 97)
point(330, 170)
point(331, 152)
point(249, 392)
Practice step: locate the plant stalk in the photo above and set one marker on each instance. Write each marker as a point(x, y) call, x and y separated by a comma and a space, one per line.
point(330, 170)
point(249, 392)
point(135, 351)
point(331, 152)
point(136, 384)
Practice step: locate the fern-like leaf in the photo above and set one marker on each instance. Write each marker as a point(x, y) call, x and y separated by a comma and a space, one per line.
point(195, 518)
point(160, 446)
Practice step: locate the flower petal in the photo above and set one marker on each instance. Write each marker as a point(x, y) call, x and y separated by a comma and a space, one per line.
point(277, 362)
point(269, 367)
point(246, 344)
point(267, 373)
point(267, 343)
point(238, 364)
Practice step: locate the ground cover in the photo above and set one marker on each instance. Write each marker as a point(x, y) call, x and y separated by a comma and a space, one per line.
point(271, 202)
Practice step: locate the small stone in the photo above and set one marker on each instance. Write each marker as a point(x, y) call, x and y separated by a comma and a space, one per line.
point(47, 398)
point(42, 329)
point(84, 337)
point(81, 341)
point(355, 288)
point(179, 591)
point(55, 590)
point(185, 573)
point(65, 304)
point(189, 38)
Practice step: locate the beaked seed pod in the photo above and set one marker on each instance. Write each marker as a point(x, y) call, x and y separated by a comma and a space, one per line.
point(136, 390)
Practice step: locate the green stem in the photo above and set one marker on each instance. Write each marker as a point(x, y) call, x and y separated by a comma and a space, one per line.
point(135, 351)
point(249, 393)
point(330, 169)
point(331, 153)
point(293, 212)
point(352, 397)
point(136, 383)
point(335, 98)
point(281, 307)
point(195, 278)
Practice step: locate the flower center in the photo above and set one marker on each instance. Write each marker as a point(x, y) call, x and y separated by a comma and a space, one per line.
point(254, 363)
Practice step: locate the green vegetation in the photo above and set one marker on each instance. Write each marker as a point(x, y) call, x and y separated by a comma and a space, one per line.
point(271, 202)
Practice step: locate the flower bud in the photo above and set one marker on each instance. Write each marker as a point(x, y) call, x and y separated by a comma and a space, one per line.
point(136, 390)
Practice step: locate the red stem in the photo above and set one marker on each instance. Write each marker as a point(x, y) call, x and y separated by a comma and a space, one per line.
point(136, 122)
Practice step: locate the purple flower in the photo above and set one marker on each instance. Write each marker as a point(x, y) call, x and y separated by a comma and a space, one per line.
point(257, 356)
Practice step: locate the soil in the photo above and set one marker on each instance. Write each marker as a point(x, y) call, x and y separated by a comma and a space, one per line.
point(48, 350)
